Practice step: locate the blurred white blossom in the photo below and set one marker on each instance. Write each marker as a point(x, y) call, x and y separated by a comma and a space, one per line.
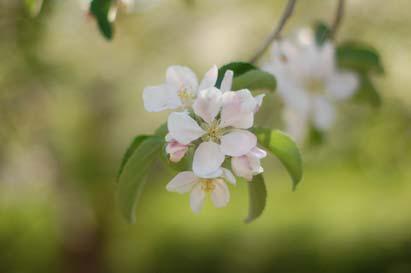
point(309, 82)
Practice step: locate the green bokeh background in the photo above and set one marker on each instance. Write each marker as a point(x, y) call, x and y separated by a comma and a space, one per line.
point(70, 102)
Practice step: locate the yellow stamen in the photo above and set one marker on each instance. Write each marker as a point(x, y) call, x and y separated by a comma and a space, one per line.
point(214, 133)
point(186, 96)
point(207, 185)
point(315, 86)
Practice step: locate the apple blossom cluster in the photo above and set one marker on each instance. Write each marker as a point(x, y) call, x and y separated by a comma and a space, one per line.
point(309, 82)
point(215, 123)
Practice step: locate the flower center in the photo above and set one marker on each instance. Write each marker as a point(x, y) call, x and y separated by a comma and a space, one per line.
point(185, 95)
point(315, 86)
point(207, 185)
point(283, 58)
point(214, 133)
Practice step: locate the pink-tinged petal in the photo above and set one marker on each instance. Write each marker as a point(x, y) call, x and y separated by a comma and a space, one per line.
point(220, 195)
point(177, 156)
point(183, 128)
point(237, 120)
point(161, 97)
point(182, 78)
point(248, 165)
point(207, 160)
point(342, 85)
point(183, 182)
point(241, 167)
point(255, 165)
point(209, 79)
point(238, 109)
point(228, 176)
point(197, 197)
point(324, 113)
point(227, 81)
point(176, 151)
point(258, 153)
point(237, 142)
point(208, 104)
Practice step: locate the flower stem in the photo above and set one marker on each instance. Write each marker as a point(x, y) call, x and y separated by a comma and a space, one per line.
point(276, 33)
point(339, 14)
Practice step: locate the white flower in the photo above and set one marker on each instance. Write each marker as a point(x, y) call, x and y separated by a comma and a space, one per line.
point(179, 90)
point(187, 181)
point(248, 165)
point(175, 149)
point(226, 85)
point(309, 81)
point(223, 118)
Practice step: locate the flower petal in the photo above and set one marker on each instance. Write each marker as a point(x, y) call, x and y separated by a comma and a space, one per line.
point(209, 79)
point(182, 77)
point(326, 59)
point(342, 85)
point(238, 109)
point(324, 113)
point(197, 197)
point(183, 128)
point(296, 124)
point(207, 160)
point(227, 81)
point(258, 153)
point(238, 142)
point(241, 167)
point(305, 36)
point(169, 138)
point(259, 101)
point(176, 150)
point(228, 175)
point(208, 104)
point(160, 97)
point(220, 195)
point(182, 182)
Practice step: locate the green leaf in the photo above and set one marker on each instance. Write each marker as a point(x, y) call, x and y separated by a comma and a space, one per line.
point(162, 130)
point(285, 149)
point(255, 79)
point(367, 92)
point(34, 6)
point(322, 33)
point(130, 150)
point(359, 57)
point(315, 136)
point(133, 177)
point(100, 9)
point(257, 194)
point(238, 68)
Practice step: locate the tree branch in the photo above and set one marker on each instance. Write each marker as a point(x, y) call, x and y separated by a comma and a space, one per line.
point(339, 14)
point(276, 33)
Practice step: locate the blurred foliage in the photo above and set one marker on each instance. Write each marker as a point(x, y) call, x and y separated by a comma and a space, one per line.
point(100, 9)
point(70, 103)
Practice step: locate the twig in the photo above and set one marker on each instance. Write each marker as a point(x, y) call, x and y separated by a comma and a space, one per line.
point(275, 34)
point(339, 14)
